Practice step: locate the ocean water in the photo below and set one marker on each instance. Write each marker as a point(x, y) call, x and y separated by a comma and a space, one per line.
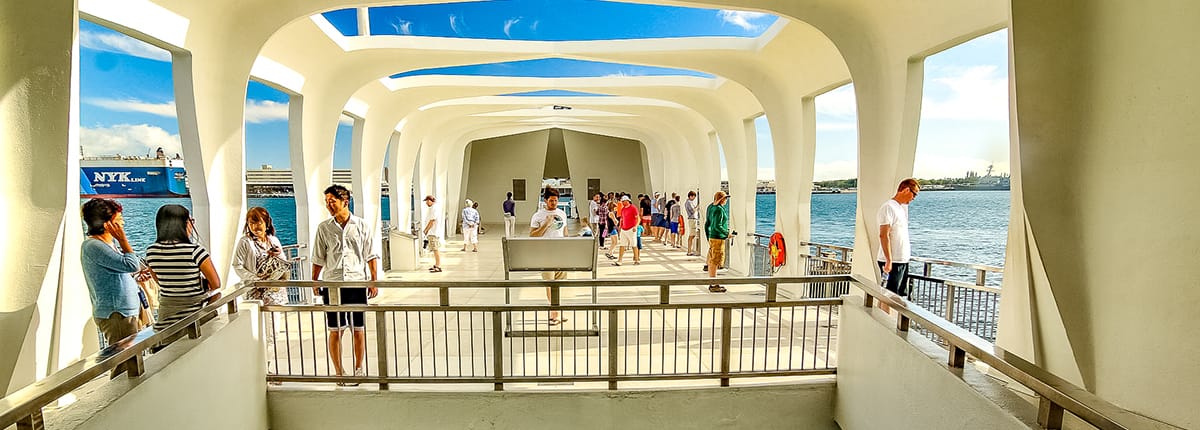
point(965, 226)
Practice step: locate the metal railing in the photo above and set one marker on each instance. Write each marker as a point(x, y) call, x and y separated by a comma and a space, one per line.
point(973, 306)
point(296, 295)
point(760, 255)
point(1056, 395)
point(761, 319)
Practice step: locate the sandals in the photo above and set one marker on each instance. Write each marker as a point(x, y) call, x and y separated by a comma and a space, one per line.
point(616, 263)
point(435, 269)
point(556, 321)
point(716, 288)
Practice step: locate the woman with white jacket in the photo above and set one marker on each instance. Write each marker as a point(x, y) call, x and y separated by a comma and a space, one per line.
point(259, 257)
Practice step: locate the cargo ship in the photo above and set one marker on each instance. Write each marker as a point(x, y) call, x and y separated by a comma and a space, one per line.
point(123, 176)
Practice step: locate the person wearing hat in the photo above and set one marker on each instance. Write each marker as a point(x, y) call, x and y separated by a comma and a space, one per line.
point(433, 231)
point(627, 236)
point(716, 226)
point(470, 227)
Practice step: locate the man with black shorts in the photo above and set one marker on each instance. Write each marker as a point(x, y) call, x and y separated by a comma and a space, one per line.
point(344, 250)
point(894, 247)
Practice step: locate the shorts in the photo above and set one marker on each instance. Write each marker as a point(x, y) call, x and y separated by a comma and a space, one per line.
point(435, 243)
point(716, 252)
point(674, 228)
point(627, 238)
point(646, 221)
point(897, 279)
point(350, 296)
point(689, 226)
point(658, 220)
point(554, 276)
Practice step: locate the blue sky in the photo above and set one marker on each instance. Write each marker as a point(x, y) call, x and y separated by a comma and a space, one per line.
point(552, 20)
point(127, 104)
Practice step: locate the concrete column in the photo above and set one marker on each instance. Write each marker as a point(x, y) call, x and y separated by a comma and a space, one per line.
point(301, 188)
point(793, 132)
point(888, 102)
point(357, 172)
point(312, 158)
point(367, 160)
point(38, 83)
point(1106, 99)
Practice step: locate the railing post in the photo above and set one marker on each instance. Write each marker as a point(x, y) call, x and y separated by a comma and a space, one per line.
point(135, 366)
point(193, 330)
point(772, 292)
point(926, 269)
point(612, 349)
point(950, 303)
point(555, 296)
point(664, 294)
point(497, 350)
point(1050, 415)
point(726, 343)
point(381, 347)
point(868, 300)
point(33, 421)
point(902, 322)
point(444, 296)
point(231, 307)
point(980, 277)
point(958, 357)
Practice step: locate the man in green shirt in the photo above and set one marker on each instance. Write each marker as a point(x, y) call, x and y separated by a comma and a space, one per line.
point(716, 226)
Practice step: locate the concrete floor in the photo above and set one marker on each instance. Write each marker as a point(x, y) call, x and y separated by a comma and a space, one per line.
point(650, 342)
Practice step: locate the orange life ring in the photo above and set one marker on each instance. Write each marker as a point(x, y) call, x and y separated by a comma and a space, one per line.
point(778, 250)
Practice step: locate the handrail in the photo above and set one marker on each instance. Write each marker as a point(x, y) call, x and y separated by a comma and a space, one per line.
point(1056, 393)
point(950, 263)
point(25, 405)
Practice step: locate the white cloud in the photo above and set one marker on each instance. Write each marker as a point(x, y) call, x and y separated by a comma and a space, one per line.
point(127, 139)
point(403, 27)
point(122, 44)
point(976, 93)
point(842, 169)
point(836, 126)
point(166, 109)
point(508, 23)
point(839, 102)
point(260, 111)
point(766, 173)
point(741, 18)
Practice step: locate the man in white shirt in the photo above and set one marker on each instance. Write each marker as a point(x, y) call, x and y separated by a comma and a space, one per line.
point(894, 247)
point(593, 218)
point(550, 222)
point(434, 231)
point(691, 216)
point(344, 250)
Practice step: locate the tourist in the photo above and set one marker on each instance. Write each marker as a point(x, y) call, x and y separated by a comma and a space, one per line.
point(186, 276)
point(627, 236)
point(482, 229)
point(658, 218)
point(259, 256)
point(593, 218)
point(894, 247)
point(600, 220)
point(108, 271)
point(470, 227)
point(550, 222)
point(644, 205)
point(344, 250)
point(690, 218)
point(433, 231)
point(510, 215)
point(716, 226)
point(674, 215)
point(611, 226)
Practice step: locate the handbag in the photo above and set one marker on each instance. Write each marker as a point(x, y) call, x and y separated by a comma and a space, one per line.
point(269, 267)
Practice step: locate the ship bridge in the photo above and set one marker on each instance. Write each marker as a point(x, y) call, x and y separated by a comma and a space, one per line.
point(1102, 99)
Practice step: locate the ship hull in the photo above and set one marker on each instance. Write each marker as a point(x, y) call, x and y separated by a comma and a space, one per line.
point(133, 181)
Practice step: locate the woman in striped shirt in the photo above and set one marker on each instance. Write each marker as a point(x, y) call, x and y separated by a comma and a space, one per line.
point(185, 274)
